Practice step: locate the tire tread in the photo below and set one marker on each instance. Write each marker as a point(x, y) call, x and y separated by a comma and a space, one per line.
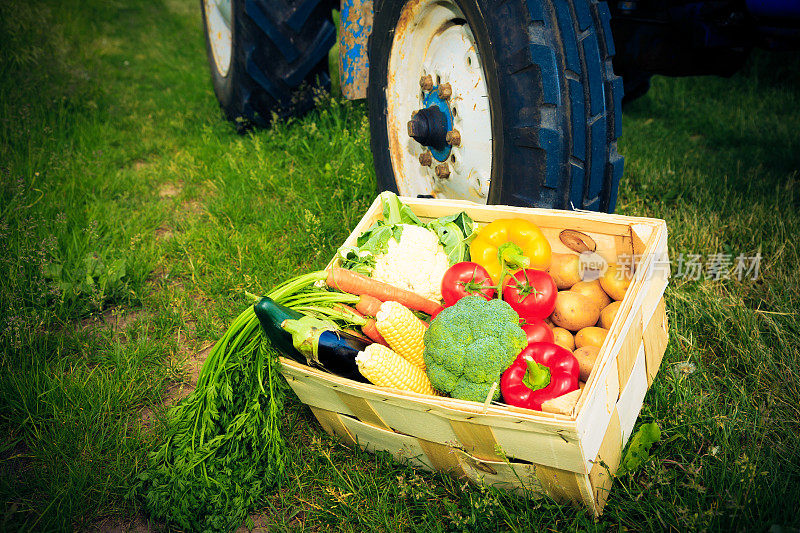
point(575, 68)
point(280, 53)
point(271, 30)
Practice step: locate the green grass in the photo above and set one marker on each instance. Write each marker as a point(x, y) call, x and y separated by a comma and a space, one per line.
point(133, 218)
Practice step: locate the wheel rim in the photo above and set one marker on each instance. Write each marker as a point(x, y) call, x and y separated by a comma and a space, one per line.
point(433, 39)
point(218, 27)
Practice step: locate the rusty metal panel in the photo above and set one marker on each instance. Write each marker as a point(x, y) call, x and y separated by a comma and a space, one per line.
point(355, 25)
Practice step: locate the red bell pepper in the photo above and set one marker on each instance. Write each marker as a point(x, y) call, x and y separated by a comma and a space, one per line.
point(541, 372)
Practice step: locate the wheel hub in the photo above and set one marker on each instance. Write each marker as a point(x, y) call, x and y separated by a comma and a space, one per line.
point(431, 125)
point(436, 73)
point(429, 128)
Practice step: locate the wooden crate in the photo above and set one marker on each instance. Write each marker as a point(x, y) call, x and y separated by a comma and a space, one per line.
point(570, 456)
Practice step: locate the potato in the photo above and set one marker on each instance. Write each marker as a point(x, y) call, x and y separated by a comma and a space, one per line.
point(616, 281)
point(591, 336)
point(586, 357)
point(574, 311)
point(593, 290)
point(565, 270)
point(608, 314)
point(563, 338)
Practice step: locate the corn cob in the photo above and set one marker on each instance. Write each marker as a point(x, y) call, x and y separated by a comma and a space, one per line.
point(403, 331)
point(383, 367)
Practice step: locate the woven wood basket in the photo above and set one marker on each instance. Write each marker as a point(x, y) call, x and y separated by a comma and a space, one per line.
point(570, 453)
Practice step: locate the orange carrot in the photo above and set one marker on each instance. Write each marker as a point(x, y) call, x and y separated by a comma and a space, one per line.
point(368, 327)
point(371, 331)
point(368, 305)
point(355, 283)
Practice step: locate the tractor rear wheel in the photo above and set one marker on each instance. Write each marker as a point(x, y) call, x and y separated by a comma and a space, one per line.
point(511, 102)
point(267, 56)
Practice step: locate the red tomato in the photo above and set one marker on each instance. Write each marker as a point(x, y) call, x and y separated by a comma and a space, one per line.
point(466, 278)
point(537, 331)
point(531, 293)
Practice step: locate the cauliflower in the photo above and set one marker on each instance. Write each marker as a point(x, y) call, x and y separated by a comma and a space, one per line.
point(417, 263)
point(469, 345)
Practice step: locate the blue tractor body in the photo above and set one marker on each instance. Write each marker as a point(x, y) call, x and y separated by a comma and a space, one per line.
point(671, 37)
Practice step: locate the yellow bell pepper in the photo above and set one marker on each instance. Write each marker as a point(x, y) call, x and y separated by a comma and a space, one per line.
point(514, 241)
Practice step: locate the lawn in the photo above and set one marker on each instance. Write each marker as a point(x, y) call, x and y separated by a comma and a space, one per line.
point(134, 218)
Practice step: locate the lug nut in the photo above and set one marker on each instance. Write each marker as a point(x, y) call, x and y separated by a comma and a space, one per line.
point(453, 138)
point(425, 159)
point(445, 91)
point(426, 82)
point(442, 171)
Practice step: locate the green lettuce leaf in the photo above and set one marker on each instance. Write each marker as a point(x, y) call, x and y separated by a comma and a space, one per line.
point(639, 448)
point(396, 212)
point(452, 240)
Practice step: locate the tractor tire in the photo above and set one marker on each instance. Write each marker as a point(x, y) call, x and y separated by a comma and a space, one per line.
point(267, 56)
point(549, 133)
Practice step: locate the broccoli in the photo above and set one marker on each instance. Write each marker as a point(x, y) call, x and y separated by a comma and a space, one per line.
point(470, 344)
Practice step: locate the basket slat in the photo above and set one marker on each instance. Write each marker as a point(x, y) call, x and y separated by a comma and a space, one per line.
point(514, 477)
point(655, 341)
point(605, 464)
point(311, 393)
point(362, 409)
point(331, 422)
point(402, 447)
point(596, 414)
point(561, 485)
point(442, 457)
point(659, 275)
point(556, 450)
point(630, 348)
point(632, 396)
point(476, 439)
point(419, 422)
point(481, 434)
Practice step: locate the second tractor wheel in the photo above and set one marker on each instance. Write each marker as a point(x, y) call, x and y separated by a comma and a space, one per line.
point(266, 56)
point(511, 102)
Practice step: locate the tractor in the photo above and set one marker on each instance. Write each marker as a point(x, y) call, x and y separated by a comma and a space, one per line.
point(514, 102)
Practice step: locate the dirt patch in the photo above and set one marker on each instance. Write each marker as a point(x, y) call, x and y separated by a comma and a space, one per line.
point(193, 207)
point(137, 524)
point(16, 465)
point(139, 164)
point(261, 524)
point(15, 462)
point(294, 516)
point(170, 190)
point(161, 278)
point(191, 361)
point(163, 233)
point(117, 319)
